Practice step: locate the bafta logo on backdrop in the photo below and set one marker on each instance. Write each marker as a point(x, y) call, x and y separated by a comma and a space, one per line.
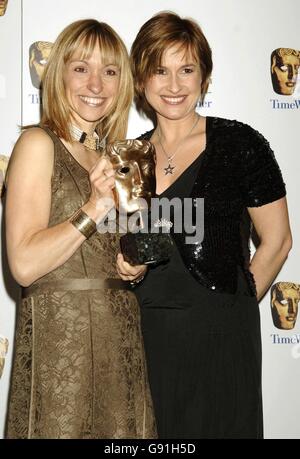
point(3, 6)
point(3, 168)
point(285, 297)
point(284, 68)
point(3, 352)
point(39, 53)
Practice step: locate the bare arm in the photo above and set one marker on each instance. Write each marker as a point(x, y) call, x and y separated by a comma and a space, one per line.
point(34, 249)
point(271, 223)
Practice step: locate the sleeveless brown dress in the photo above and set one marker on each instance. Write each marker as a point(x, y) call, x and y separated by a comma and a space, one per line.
point(79, 368)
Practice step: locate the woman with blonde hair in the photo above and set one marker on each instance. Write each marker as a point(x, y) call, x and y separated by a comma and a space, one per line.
point(200, 315)
point(79, 369)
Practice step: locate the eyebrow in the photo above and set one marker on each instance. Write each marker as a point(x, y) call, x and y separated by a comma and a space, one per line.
point(73, 61)
point(184, 65)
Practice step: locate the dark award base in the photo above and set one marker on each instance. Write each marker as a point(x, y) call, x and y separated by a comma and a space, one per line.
point(146, 248)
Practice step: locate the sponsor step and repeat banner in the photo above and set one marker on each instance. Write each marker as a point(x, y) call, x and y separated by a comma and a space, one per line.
point(256, 52)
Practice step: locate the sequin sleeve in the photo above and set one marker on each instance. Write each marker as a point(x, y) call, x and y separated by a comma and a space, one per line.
point(260, 179)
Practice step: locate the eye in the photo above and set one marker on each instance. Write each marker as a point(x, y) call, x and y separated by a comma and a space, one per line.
point(124, 170)
point(43, 62)
point(160, 71)
point(284, 302)
point(111, 72)
point(80, 69)
point(187, 70)
point(283, 68)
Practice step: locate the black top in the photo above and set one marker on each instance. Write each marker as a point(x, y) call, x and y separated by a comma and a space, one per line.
point(238, 170)
point(202, 348)
point(170, 283)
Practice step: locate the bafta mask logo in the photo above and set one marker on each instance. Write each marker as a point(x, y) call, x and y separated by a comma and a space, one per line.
point(3, 6)
point(285, 297)
point(39, 53)
point(135, 185)
point(3, 352)
point(3, 168)
point(134, 164)
point(285, 63)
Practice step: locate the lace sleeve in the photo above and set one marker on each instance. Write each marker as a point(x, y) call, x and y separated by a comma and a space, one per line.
point(260, 180)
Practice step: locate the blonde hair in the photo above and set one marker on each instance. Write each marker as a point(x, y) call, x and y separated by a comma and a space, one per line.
point(164, 30)
point(85, 35)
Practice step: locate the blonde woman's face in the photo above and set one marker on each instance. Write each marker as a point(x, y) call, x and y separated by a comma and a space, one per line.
point(91, 88)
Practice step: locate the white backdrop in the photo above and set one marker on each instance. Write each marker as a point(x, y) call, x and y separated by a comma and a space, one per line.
point(242, 36)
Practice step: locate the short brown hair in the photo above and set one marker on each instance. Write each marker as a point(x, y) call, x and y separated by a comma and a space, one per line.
point(163, 30)
point(85, 34)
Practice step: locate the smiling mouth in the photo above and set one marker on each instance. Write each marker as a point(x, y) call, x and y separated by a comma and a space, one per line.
point(173, 100)
point(290, 85)
point(92, 101)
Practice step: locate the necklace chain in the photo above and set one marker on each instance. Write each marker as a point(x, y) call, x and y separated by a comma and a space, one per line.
point(169, 169)
point(90, 141)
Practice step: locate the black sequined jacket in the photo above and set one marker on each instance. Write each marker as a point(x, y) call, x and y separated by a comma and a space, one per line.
point(238, 171)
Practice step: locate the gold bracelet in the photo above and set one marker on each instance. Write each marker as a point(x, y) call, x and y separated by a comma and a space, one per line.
point(85, 224)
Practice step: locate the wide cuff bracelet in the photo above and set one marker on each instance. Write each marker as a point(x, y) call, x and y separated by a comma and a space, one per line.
point(85, 224)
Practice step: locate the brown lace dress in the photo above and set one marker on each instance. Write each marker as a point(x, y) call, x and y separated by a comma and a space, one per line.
point(79, 368)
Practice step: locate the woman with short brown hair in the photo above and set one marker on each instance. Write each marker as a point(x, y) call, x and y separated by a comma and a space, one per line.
point(200, 315)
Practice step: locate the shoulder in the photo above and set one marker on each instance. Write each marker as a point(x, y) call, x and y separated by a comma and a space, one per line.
point(241, 140)
point(34, 141)
point(33, 151)
point(35, 135)
point(235, 128)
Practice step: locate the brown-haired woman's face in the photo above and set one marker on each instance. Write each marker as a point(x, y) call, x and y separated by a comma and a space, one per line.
point(91, 87)
point(175, 88)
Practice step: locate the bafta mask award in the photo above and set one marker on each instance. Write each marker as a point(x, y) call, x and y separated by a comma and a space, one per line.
point(134, 164)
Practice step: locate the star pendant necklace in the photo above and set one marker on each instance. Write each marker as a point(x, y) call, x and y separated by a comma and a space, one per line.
point(169, 169)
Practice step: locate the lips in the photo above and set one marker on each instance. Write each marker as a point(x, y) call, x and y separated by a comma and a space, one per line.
point(92, 101)
point(290, 318)
point(173, 100)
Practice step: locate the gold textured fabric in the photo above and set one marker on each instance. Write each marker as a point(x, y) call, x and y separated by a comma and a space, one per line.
point(79, 368)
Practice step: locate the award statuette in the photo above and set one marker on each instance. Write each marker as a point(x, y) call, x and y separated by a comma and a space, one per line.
point(134, 163)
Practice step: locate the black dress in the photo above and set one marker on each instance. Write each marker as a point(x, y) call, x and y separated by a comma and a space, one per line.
point(203, 349)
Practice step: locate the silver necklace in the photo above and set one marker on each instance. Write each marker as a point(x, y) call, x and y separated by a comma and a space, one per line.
point(90, 141)
point(169, 169)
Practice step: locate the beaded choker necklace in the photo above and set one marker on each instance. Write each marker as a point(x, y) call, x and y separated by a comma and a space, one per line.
point(90, 141)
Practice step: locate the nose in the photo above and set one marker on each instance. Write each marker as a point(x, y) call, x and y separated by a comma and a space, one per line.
point(291, 306)
point(174, 83)
point(137, 176)
point(95, 83)
point(292, 73)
